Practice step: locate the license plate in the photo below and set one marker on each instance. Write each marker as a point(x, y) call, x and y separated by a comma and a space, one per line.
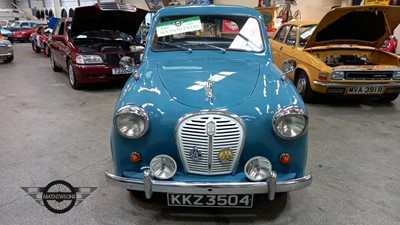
point(226, 201)
point(365, 90)
point(116, 71)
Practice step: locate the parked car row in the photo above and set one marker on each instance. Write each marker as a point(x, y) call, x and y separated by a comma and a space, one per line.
point(20, 30)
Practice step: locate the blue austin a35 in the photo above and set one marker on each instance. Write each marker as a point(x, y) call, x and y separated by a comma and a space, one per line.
point(207, 117)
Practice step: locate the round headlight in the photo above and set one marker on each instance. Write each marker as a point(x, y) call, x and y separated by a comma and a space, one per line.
point(163, 167)
point(290, 122)
point(258, 168)
point(131, 121)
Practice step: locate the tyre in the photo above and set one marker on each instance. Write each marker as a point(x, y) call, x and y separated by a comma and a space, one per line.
point(54, 65)
point(9, 59)
point(388, 97)
point(302, 84)
point(46, 50)
point(72, 78)
point(36, 48)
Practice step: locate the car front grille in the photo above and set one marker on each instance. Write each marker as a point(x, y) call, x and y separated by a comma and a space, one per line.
point(368, 75)
point(3, 50)
point(204, 135)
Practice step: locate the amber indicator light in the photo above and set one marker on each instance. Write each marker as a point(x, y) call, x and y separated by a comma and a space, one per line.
point(135, 157)
point(284, 158)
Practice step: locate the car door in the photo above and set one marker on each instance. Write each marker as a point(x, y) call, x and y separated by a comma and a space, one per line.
point(58, 44)
point(277, 44)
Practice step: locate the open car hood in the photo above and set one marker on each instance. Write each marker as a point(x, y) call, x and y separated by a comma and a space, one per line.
point(359, 25)
point(107, 16)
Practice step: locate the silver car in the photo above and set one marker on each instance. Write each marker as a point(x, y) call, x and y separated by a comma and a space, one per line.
point(6, 51)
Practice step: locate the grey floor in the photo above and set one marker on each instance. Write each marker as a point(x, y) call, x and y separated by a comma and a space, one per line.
point(49, 131)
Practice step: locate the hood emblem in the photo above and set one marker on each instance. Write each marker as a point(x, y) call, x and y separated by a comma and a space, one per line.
point(195, 154)
point(225, 155)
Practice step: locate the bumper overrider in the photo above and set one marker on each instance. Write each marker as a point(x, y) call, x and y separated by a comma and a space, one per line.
point(149, 185)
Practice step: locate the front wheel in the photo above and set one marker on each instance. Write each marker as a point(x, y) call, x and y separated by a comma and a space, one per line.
point(388, 97)
point(72, 78)
point(9, 59)
point(36, 48)
point(302, 84)
point(46, 50)
point(54, 65)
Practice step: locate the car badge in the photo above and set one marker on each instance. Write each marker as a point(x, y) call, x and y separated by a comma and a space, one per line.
point(195, 154)
point(210, 127)
point(225, 155)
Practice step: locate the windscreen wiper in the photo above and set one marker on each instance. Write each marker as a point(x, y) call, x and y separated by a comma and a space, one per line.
point(174, 45)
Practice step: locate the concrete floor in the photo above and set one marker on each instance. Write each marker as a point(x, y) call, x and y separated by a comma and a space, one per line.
point(49, 131)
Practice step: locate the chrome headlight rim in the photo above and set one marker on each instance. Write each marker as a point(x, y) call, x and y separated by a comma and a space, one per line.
point(161, 174)
point(289, 111)
point(132, 109)
point(265, 163)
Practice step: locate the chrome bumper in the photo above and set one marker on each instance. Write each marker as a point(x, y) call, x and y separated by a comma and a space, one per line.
point(333, 84)
point(150, 185)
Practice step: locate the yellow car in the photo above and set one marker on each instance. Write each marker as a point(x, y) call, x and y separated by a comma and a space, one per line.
point(340, 55)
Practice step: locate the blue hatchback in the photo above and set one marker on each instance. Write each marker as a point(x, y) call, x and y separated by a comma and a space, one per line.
point(207, 118)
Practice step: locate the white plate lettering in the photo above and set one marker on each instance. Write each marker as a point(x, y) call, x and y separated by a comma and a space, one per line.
point(228, 201)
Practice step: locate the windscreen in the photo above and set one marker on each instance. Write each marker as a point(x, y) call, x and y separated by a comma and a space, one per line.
point(199, 32)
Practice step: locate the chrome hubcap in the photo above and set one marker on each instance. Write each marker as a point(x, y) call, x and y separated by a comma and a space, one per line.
point(52, 62)
point(301, 85)
point(71, 74)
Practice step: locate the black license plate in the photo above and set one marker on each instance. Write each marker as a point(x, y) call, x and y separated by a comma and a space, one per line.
point(226, 201)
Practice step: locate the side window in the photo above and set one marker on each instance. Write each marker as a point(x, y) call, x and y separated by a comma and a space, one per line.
point(280, 36)
point(24, 24)
point(292, 36)
point(59, 29)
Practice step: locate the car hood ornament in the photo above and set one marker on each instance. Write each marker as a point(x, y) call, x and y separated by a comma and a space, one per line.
point(209, 89)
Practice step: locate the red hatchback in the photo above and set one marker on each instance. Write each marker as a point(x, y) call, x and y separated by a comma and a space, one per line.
point(91, 46)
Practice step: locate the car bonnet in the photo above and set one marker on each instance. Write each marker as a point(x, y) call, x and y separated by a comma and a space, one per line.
point(206, 82)
point(107, 16)
point(356, 25)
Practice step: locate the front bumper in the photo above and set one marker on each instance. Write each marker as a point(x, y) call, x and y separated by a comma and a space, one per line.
point(345, 85)
point(150, 185)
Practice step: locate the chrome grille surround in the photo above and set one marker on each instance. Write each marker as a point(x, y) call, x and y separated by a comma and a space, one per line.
point(358, 74)
point(194, 132)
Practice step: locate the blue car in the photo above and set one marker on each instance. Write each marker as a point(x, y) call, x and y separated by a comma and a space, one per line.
point(207, 117)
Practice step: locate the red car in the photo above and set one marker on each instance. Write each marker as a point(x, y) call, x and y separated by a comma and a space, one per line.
point(91, 46)
point(390, 44)
point(40, 40)
point(24, 33)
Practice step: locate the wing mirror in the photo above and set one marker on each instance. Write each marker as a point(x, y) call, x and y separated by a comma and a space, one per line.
point(288, 66)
